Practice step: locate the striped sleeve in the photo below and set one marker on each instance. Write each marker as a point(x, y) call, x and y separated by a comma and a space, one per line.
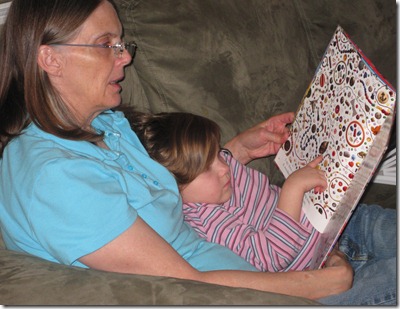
point(251, 226)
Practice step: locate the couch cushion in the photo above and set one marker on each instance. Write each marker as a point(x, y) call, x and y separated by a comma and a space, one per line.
point(220, 59)
point(26, 280)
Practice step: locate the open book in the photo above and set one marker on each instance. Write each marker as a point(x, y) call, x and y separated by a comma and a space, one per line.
point(346, 116)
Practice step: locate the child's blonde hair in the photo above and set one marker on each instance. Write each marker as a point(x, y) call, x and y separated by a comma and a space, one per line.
point(186, 144)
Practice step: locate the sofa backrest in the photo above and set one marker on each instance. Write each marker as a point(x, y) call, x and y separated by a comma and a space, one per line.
point(240, 62)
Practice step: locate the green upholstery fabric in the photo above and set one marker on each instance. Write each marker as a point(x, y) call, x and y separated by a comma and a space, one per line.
point(237, 62)
point(26, 280)
point(240, 62)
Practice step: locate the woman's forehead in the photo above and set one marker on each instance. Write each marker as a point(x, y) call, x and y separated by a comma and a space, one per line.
point(103, 22)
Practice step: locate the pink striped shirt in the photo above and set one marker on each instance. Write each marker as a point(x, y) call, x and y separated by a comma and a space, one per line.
point(251, 226)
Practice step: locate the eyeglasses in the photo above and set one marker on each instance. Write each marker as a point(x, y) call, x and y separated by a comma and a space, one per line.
point(119, 48)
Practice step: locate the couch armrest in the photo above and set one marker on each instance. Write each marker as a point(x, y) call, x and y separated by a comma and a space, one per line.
point(27, 280)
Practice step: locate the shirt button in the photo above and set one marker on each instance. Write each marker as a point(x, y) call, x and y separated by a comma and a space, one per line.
point(155, 182)
point(144, 176)
point(130, 167)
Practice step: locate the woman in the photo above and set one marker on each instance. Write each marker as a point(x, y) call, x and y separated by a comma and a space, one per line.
point(78, 188)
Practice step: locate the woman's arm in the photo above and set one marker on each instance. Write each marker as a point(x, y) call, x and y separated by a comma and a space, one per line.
point(262, 140)
point(140, 250)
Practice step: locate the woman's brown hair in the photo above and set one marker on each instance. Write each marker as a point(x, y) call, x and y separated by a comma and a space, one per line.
point(26, 94)
point(186, 144)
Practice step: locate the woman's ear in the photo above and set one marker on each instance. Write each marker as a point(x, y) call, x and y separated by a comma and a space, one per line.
point(49, 60)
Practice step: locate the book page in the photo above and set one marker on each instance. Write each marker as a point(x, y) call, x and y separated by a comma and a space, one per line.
point(341, 114)
point(347, 205)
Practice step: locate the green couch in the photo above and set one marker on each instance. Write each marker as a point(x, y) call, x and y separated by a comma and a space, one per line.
point(237, 62)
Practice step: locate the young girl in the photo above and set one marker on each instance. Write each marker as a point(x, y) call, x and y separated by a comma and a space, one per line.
point(228, 203)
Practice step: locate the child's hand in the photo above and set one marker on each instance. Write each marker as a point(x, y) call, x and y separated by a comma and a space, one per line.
point(309, 177)
point(298, 183)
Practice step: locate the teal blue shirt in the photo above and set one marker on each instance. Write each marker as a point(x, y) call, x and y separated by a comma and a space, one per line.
point(63, 199)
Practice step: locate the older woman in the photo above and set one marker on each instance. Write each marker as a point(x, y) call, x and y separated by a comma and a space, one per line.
point(78, 188)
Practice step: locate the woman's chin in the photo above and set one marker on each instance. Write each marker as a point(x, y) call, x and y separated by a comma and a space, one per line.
point(115, 101)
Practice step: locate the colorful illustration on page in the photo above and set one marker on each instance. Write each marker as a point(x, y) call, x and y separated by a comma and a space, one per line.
point(340, 115)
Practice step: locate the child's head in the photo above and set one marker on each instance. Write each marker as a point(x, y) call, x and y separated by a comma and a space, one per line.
point(187, 145)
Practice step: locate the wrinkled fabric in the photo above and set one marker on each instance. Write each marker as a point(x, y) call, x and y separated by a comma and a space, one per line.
point(27, 280)
point(237, 62)
point(240, 62)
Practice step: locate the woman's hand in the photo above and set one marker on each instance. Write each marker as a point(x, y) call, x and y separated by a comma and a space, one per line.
point(262, 140)
point(336, 277)
point(341, 271)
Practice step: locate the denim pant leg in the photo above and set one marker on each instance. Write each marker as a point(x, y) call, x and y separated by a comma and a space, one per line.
point(370, 234)
point(370, 243)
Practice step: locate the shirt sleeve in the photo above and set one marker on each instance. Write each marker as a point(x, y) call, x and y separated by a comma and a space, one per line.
point(78, 205)
point(283, 244)
point(251, 225)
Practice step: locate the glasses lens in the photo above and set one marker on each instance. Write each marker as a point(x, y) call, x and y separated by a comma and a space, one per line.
point(131, 48)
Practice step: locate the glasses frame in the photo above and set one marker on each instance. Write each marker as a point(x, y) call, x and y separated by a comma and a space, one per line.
point(118, 47)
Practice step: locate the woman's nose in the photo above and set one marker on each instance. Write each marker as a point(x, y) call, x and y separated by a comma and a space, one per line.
point(126, 57)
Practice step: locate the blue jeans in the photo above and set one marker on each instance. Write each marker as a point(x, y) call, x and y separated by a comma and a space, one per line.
point(370, 243)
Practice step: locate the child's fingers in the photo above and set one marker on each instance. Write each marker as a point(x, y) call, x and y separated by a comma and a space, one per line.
point(315, 162)
point(320, 189)
point(322, 185)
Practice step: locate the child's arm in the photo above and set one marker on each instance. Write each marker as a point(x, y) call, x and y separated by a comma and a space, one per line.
point(298, 183)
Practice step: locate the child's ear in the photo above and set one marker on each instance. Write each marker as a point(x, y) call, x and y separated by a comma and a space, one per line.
point(49, 60)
